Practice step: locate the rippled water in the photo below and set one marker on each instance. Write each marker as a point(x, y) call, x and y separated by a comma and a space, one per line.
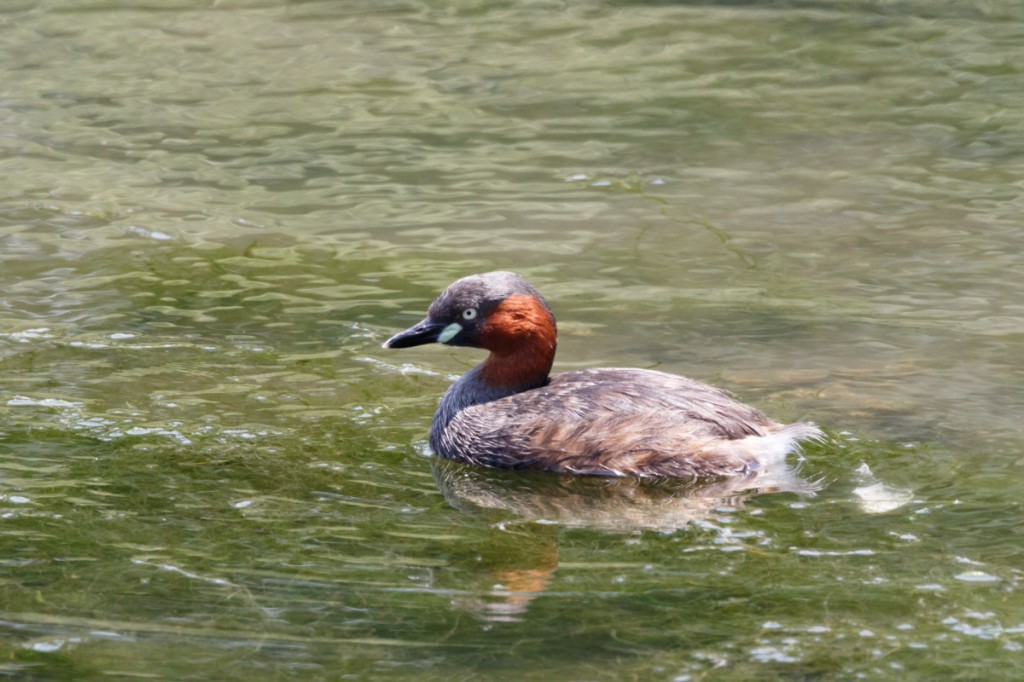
point(210, 217)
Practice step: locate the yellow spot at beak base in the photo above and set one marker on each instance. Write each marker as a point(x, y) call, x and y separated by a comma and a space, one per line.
point(449, 332)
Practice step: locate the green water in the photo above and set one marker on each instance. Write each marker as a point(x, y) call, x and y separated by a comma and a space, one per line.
point(212, 214)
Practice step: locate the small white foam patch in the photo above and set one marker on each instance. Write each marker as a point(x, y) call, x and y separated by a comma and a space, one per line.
point(449, 332)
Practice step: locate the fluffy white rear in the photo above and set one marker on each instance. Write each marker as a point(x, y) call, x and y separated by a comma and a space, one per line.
point(773, 448)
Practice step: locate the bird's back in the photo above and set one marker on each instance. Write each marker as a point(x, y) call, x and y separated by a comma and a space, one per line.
point(617, 422)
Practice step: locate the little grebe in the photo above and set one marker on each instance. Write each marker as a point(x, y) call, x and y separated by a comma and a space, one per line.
point(508, 412)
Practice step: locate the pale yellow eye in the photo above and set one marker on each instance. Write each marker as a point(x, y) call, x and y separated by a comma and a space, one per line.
point(469, 314)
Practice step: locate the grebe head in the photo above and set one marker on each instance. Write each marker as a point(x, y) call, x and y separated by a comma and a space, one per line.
point(496, 310)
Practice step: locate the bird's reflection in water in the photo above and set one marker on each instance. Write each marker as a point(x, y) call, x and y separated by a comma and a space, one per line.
point(522, 557)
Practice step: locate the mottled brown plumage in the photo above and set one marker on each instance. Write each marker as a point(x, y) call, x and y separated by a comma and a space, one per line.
point(507, 412)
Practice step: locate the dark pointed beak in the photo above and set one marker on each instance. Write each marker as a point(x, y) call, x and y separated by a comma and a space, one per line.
point(422, 332)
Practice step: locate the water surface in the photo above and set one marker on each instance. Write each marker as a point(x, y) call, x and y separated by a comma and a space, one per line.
point(211, 216)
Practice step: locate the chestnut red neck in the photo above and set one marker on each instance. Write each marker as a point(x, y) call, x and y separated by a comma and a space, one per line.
point(521, 334)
